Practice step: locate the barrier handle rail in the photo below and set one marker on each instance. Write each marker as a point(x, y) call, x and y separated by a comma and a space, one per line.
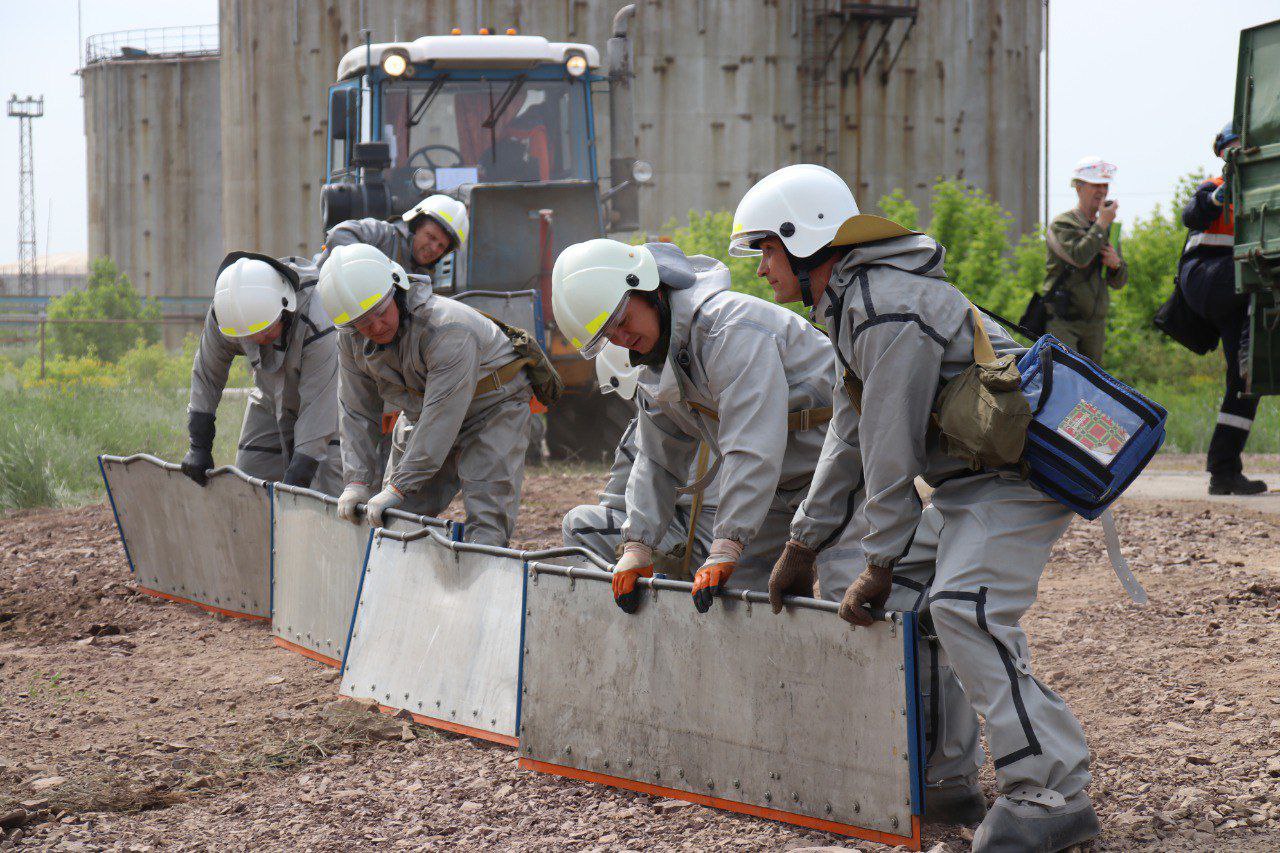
point(173, 466)
point(494, 550)
point(401, 515)
point(751, 596)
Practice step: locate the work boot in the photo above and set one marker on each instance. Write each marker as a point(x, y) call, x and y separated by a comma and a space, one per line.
point(958, 802)
point(1235, 484)
point(1015, 825)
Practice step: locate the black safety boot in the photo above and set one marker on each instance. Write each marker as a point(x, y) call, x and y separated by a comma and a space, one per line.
point(1235, 484)
point(958, 803)
point(1018, 826)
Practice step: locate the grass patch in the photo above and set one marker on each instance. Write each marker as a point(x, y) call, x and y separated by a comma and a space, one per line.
point(50, 438)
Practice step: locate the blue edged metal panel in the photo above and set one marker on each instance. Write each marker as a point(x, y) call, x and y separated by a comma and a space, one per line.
point(915, 717)
point(116, 513)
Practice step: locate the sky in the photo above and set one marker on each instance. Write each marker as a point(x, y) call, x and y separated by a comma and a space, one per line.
point(1144, 83)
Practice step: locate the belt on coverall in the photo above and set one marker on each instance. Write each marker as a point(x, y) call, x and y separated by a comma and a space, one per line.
point(502, 375)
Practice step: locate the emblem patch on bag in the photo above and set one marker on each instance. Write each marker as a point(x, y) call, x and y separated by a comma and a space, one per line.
point(1089, 427)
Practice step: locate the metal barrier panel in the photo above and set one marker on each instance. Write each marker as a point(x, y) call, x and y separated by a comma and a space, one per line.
point(315, 571)
point(793, 717)
point(437, 633)
point(209, 546)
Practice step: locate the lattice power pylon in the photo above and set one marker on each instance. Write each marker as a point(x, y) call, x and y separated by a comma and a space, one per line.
point(24, 110)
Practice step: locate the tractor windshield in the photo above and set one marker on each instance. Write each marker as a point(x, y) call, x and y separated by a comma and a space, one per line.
point(444, 132)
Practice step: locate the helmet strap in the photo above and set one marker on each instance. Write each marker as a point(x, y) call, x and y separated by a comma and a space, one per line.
point(803, 266)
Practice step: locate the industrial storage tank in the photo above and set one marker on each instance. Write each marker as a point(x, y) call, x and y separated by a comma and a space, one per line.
point(889, 95)
point(153, 143)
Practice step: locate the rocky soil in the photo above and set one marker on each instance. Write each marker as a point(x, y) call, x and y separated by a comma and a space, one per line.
point(136, 724)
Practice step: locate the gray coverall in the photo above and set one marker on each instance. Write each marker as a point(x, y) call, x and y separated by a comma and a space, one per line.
point(293, 407)
point(598, 527)
point(449, 437)
point(752, 362)
point(974, 557)
point(393, 239)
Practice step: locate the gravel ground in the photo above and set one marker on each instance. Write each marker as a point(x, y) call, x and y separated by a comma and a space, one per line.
point(136, 724)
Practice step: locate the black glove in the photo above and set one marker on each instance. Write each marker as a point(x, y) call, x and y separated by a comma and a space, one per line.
point(301, 470)
point(199, 459)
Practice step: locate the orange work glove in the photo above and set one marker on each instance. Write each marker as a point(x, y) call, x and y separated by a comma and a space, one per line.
point(636, 562)
point(715, 572)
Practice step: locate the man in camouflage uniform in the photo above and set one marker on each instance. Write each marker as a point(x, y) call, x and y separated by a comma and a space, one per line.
point(1082, 264)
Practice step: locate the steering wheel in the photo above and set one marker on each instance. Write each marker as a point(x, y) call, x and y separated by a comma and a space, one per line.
point(431, 164)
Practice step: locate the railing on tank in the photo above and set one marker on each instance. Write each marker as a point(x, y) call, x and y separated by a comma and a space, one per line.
point(156, 42)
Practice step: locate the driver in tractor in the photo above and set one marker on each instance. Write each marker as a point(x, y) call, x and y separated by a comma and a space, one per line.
point(426, 232)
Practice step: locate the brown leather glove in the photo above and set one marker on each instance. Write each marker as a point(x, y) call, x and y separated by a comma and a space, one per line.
point(871, 587)
point(793, 574)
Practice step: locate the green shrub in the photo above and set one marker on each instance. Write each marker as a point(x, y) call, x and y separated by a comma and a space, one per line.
point(108, 294)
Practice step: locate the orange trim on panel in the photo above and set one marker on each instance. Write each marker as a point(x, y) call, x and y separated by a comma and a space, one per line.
point(307, 653)
point(456, 728)
point(911, 841)
point(252, 617)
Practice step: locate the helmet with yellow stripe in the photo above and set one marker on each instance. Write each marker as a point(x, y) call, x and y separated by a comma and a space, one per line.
point(591, 284)
point(251, 293)
point(450, 213)
point(355, 279)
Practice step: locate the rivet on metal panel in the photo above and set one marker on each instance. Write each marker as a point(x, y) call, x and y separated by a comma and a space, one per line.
point(437, 703)
point(737, 783)
point(572, 582)
point(419, 704)
point(529, 612)
point(606, 764)
point(711, 783)
point(893, 821)
point(493, 721)
point(795, 798)
point(768, 798)
point(857, 807)
point(629, 762)
point(828, 808)
point(406, 697)
point(657, 774)
point(568, 750)
point(904, 757)
point(680, 773)
point(782, 686)
point(522, 728)
point(453, 713)
point(524, 690)
point(373, 687)
point(387, 696)
point(475, 713)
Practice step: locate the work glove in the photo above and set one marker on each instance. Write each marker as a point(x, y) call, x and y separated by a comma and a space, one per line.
point(871, 587)
point(384, 500)
point(721, 560)
point(636, 562)
point(352, 496)
point(301, 470)
point(793, 574)
point(199, 459)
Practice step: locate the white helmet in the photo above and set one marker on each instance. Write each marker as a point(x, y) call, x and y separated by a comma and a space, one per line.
point(808, 207)
point(591, 284)
point(355, 279)
point(449, 212)
point(615, 372)
point(1093, 170)
point(250, 295)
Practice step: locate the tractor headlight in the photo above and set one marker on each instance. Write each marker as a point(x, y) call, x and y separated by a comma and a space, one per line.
point(424, 179)
point(395, 64)
point(576, 65)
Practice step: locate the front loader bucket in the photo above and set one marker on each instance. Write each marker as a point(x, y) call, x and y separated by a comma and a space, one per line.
point(204, 545)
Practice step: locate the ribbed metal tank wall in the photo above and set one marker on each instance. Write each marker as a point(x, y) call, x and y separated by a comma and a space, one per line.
point(155, 170)
point(719, 93)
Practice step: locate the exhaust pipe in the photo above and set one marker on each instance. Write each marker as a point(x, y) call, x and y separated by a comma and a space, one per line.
point(624, 195)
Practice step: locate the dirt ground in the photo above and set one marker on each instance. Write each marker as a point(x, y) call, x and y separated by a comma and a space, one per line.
point(131, 723)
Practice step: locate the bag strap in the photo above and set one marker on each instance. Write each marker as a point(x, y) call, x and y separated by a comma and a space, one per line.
point(503, 375)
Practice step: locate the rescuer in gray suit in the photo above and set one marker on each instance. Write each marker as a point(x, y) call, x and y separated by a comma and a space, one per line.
point(598, 527)
point(750, 379)
point(975, 555)
point(462, 390)
point(265, 309)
